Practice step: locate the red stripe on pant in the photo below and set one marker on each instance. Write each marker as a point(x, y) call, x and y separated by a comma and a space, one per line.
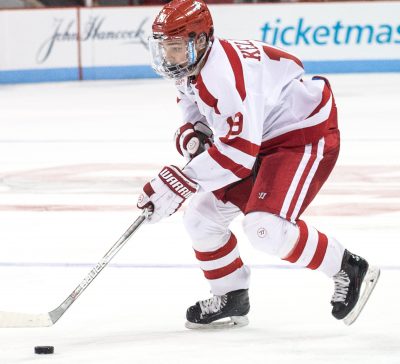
point(224, 271)
point(302, 181)
point(219, 253)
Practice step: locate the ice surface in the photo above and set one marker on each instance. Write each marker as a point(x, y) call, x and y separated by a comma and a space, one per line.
point(73, 157)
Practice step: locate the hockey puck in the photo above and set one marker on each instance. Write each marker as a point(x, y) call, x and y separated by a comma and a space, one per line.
point(44, 349)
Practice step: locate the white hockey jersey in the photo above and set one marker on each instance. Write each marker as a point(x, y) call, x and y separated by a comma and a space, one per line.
point(253, 97)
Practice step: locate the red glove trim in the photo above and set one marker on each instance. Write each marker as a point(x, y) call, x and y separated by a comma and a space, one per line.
point(178, 134)
point(148, 190)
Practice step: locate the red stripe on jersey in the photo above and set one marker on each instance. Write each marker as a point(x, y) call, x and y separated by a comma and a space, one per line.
point(298, 249)
point(326, 94)
point(302, 180)
point(227, 163)
point(241, 144)
point(219, 253)
point(302, 136)
point(224, 271)
point(319, 252)
point(276, 55)
point(237, 68)
point(205, 95)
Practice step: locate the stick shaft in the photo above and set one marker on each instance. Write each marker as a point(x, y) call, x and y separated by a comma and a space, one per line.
point(94, 272)
point(18, 319)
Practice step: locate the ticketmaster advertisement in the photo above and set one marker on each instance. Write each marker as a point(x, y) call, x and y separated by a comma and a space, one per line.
point(329, 37)
point(111, 43)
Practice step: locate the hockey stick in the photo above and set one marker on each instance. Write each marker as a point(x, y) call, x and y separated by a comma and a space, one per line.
point(14, 319)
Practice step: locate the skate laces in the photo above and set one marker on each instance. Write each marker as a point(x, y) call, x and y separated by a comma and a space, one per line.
point(342, 282)
point(213, 304)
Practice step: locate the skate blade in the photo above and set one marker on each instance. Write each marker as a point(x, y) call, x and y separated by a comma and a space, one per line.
point(233, 322)
point(370, 281)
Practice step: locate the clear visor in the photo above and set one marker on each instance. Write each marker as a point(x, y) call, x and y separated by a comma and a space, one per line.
point(172, 57)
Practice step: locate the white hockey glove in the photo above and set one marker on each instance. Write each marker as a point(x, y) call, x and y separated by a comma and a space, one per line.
point(191, 140)
point(165, 194)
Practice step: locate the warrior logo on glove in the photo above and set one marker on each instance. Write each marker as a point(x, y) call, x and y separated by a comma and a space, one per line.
point(176, 183)
point(165, 194)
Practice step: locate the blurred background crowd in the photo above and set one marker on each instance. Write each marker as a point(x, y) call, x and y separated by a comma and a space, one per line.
point(62, 3)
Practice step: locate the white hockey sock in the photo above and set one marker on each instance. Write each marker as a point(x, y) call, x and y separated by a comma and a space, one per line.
point(316, 251)
point(223, 268)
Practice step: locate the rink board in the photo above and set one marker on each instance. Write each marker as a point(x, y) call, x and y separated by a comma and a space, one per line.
point(111, 43)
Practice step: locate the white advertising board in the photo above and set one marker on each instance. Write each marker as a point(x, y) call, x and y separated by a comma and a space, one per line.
point(42, 45)
point(121, 35)
point(39, 39)
point(325, 31)
point(114, 39)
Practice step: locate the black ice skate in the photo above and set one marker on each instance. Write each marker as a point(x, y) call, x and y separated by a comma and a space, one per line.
point(353, 285)
point(234, 305)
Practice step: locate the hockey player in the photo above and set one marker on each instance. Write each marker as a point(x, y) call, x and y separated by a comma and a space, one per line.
point(261, 140)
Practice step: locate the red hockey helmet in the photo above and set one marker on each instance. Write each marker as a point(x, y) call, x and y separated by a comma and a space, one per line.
point(183, 18)
point(178, 30)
